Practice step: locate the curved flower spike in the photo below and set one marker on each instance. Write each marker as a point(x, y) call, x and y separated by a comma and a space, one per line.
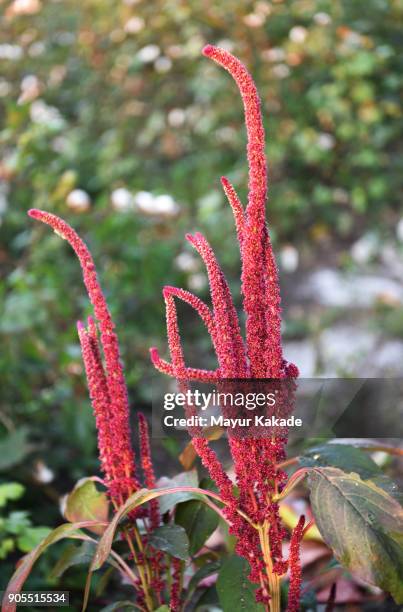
point(237, 208)
point(295, 566)
point(230, 347)
point(116, 386)
point(259, 272)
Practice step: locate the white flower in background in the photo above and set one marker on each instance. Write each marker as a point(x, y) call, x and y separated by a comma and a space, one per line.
point(36, 49)
point(176, 117)
point(43, 473)
point(186, 262)
point(365, 248)
point(163, 64)
point(144, 201)
point(298, 34)
point(163, 205)
point(24, 7)
point(148, 54)
point(276, 54)
point(134, 25)
point(197, 282)
point(78, 200)
point(289, 258)
point(325, 141)
point(399, 230)
point(30, 89)
point(122, 200)
point(11, 52)
point(254, 20)
point(42, 113)
point(166, 205)
point(281, 71)
point(226, 43)
point(322, 19)
point(5, 88)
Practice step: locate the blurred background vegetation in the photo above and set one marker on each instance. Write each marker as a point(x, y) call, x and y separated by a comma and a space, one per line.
point(111, 118)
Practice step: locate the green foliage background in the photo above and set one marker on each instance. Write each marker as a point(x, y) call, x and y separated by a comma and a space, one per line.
point(330, 75)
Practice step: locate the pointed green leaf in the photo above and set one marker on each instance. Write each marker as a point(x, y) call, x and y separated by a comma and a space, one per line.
point(73, 555)
point(199, 522)
point(137, 499)
point(345, 457)
point(172, 539)
point(235, 590)
point(206, 570)
point(184, 479)
point(68, 530)
point(363, 525)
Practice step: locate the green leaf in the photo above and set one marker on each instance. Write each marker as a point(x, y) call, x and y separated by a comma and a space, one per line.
point(363, 525)
point(73, 555)
point(31, 537)
point(163, 608)
point(68, 530)
point(206, 570)
point(344, 457)
point(14, 448)
point(235, 590)
point(172, 539)
point(198, 520)
point(16, 522)
point(10, 491)
point(184, 479)
point(121, 605)
point(137, 499)
point(86, 503)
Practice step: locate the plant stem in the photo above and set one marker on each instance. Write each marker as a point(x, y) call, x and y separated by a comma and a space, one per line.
point(274, 579)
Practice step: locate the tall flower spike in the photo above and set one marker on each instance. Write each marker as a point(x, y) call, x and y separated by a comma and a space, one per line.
point(190, 373)
point(230, 347)
point(119, 404)
point(100, 400)
point(294, 563)
point(259, 275)
point(148, 470)
point(237, 208)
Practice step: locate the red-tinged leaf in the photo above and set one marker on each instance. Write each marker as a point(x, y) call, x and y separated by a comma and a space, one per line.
point(137, 499)
point(362, 524)
point(68, 530)
point(86, 503)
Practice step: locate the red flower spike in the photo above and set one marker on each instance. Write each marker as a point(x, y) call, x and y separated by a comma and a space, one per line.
point(119, 405)
point(237, 208)
point(255, 460)
point(294, 592)
point(230, 347)
point(190, 373)
point(100, 400)
point(148, 470)
point(175, 595)
point(259, 275)
point(174, 339)
point(196, 303)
